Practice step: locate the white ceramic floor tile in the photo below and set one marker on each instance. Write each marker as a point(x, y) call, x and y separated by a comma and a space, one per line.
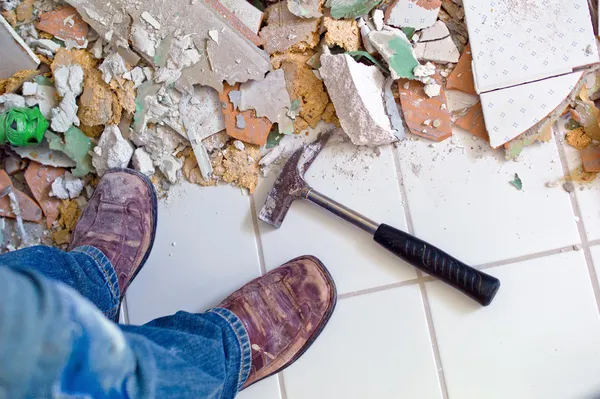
point(587, 195)
point(375, 346)
point(540, 338)
point(595, 250)
point(460, 199)
point(205, 248)
point(361, 180)
point(265, 389)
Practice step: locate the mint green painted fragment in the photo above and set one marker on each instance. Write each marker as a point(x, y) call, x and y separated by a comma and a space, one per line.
point(43, 80)
point(76, 146)
point(145, 90)
point(274, 137)
point(397, 51)
point(409, 32)
point(351, 8)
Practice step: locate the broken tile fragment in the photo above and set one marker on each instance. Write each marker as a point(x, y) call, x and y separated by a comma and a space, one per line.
point(201, 113)
point(112, 151)
point(305, 8)
point(473, 122)
point(351, 8)
point(590, 158)
point(66, 186)
point(343, 33)
point(142, 162)
point(436, 45)
point(461, 77)
point(356, 91)
point(268, 97)
point(417, 14)
point(418, 108)
point(587, 114)
point(256, 129)
point(512, 111)
point(76, 146)
point(120, 21)
point(30, 211)
point(245, 12)
point(397, 51)
point(541, 132)
point(578, 139)
point(64, 23)
point(285, 31)
point(39, 178)
point(239, 167)
point(21, 56)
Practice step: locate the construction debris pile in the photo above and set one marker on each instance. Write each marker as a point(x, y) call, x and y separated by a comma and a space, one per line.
point(213, 91)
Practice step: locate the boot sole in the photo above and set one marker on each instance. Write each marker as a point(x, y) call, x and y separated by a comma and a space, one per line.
point(321, 326)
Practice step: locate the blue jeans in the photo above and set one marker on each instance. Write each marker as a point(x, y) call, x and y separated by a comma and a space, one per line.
point(56, 339)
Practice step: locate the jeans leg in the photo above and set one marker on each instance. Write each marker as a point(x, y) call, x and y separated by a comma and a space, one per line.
point(55, 343)
point(84, 269)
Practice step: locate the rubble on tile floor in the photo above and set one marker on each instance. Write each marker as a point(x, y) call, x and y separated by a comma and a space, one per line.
point(216, 91)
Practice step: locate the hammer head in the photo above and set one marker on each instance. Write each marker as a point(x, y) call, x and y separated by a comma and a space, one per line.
point(290, 184)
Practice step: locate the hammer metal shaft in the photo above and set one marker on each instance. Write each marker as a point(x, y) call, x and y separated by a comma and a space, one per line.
point(340, 210)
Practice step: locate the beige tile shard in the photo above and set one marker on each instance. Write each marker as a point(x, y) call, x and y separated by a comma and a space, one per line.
point(344, 33)
point(251, 16)
point(285, 31)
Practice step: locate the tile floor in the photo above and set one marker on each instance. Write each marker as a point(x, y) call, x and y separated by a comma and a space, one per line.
point(397, 333)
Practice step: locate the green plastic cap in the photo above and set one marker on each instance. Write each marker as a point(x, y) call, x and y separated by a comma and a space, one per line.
point(22, 126)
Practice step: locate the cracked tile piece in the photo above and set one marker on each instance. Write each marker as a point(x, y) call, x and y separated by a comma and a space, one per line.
point(587, 114)
point(30, 211)
point(397, 51)
point(419, 108)
point(343, 33)
point(473, 122)
point(351, 8)
point(356, 91)
point(76, 146)
point(119, 21)
point(461, 77)
point(21, 56)
point(417, 14)
point(239, 167)
point(64, 23)
point(256, 130)
point(246, 12)
point(436, 45)
point(39, 178)
point(285, 31)
point(590, 157)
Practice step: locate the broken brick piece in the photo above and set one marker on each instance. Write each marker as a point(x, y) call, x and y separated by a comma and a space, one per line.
point(591, 159)
point(39, 178)
point(64, 23)
point(30, 211)
point(419, 108)
point(461, 77)
point(473, 122)
point(244, 126)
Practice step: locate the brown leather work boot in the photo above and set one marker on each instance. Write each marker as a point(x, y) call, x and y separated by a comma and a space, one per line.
point(120, 220)
point(283, 313)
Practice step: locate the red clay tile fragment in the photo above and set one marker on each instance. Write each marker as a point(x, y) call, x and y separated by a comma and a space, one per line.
point(254, 131)
point(30, 211)
point(591, 159)
point(64, 23)
point(473, 122)
point(461, 77)
point(425, 117)
point(39, 178)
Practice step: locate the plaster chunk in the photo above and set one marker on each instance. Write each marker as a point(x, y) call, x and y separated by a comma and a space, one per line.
point(112, 151)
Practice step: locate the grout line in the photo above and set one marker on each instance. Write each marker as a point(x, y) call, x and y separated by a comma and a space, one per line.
point(421, 282)
point(580, 227)
point(400, 177)
point(257, 237)
point(282, 390)
point(523, 258)
point(433, 337)
point(377, 289)
point(593, 243)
